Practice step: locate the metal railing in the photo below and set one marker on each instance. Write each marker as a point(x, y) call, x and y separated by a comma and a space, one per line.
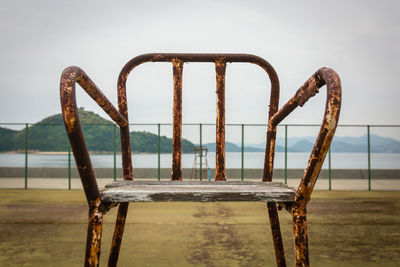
point(200, 136)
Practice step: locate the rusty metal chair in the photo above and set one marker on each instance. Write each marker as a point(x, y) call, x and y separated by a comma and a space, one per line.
point(122, 192)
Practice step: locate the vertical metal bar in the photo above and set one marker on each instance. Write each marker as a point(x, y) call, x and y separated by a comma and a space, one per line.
point(177, 66)
point(286, 132)
point(69, 167)
point(115, 152)
point(220, 173)
point(94, 233)
point(201, 153)
point(118, 234)
point(26, 156)
point(276, 234)
point(126, 153)
point(242, 168)
point(159, 153)
point(369, 158)
point(330, 169)
point(300, 236)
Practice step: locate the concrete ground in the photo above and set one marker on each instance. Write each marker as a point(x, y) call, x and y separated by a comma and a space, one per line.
point(346, 228)
point(322, 184)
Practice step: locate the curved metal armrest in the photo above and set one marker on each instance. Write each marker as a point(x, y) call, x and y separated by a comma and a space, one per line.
point(69, 78)
point(330, 78)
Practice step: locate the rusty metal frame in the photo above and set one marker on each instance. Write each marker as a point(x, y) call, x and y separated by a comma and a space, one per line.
point(177, 60)
point(69, 78)
point(328, 77)
point(97, 209)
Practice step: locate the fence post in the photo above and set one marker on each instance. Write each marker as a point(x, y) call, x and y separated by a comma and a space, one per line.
point(242, 152)
point(329, 170)
point(69, 167)
point(286, 130)
point(26, 155)
point(201, 152)
point(369, 158)
point(115, 152)
point(158, 152)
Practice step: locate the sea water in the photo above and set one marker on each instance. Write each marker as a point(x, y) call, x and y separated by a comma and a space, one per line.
point(233, 160)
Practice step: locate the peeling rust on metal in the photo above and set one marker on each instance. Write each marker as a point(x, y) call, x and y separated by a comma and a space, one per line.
point(328, 77)
point(177, 66)
point(95, 228)
point(118, 233)
point(220, 173)
point(69, 78)
point(276, 234)
point(308, 90)
point(300, 237)
point(332, 110)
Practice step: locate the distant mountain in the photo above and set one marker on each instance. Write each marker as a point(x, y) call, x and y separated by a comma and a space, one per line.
point(231, 147)
point(50, 135)
point(6, 139)
point(392, 147)
point(378, 143)
point(362, 140)
point(301, 146)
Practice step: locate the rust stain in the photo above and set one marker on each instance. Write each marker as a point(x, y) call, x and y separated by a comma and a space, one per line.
point(308, 90)
point(220, 173)
point(328, 77)
point(300, 237)
point(126, 151)
point(269, 154)
point(177, 67)
point(95, 227)
point(276, 234)
point(332, 110)
point(69, 78)
point(118, 233)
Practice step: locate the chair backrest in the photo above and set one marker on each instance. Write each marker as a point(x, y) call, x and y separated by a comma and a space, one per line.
point(177, 61)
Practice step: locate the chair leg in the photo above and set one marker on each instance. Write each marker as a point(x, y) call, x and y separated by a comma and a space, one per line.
point(118, 233)
point(300, 237)
point(94, 232)
point(276, 235)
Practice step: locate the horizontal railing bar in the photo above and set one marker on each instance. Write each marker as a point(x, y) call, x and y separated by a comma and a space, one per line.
point(205, 124)
point(199, 57)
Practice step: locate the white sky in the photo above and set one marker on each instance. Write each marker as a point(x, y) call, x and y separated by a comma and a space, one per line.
point(359, 39)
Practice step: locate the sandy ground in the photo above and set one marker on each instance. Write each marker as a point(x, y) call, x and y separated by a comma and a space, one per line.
point(322, 184)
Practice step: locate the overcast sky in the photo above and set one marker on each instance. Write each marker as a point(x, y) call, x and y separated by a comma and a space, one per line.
point(359, 39)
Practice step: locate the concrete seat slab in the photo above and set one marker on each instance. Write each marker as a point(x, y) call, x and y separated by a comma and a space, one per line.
point(196, 191)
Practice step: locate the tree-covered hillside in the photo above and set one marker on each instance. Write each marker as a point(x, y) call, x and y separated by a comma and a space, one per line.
point(50, 135)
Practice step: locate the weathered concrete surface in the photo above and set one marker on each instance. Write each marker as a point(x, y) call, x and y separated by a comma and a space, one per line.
point(47, 172)
point(196, 191)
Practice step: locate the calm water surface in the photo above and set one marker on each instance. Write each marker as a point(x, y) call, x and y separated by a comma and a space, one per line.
point(233, 160)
